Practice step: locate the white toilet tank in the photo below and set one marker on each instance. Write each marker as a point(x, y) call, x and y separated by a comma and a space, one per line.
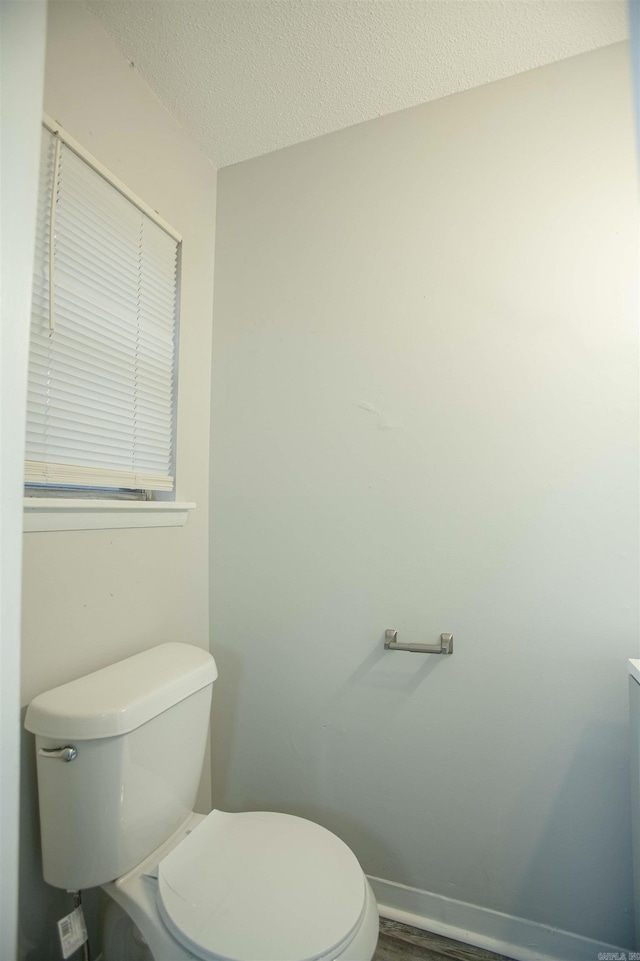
point(139, 730)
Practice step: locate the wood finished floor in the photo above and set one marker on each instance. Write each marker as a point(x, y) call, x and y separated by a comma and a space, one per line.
point(400, 942)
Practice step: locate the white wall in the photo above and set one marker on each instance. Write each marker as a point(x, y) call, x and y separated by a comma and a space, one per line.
point(634, 33)
point(425, 418)
point(22, 60)
point(93, 597)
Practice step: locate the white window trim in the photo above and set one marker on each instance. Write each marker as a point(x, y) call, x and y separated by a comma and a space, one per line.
point(66, 514)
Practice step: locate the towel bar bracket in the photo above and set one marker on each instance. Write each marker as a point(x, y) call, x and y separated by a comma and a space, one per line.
point(444, 647)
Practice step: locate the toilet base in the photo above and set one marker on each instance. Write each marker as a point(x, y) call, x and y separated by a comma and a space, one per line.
point(123, 940)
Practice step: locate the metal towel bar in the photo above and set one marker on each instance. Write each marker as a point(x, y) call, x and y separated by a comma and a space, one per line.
point(444, 647)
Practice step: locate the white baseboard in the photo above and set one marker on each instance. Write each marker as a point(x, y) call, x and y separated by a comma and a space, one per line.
point(491, 930)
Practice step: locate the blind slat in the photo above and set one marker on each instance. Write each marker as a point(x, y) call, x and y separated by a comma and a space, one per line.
point(80, 366)
point(41, 472)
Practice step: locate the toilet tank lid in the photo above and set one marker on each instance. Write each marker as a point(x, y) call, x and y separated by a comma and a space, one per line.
point(119, 698)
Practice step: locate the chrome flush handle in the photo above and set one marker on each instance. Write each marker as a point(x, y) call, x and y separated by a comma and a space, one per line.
point(67, 753)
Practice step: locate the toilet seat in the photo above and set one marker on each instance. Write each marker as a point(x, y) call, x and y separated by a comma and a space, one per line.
point(261, 884)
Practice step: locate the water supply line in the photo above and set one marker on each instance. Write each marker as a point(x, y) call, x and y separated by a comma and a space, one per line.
point(77, 903)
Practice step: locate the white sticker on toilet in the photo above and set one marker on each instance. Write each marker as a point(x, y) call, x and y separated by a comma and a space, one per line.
point(72, 931)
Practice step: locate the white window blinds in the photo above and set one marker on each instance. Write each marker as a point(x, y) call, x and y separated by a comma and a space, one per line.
point(100, 409)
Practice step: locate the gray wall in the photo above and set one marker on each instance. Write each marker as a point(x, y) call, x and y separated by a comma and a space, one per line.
point(425, 417)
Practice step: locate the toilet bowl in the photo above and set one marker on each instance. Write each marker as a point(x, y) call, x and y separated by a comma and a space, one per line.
point(119, 755)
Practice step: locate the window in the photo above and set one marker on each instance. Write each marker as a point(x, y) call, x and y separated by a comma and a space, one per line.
point(102, 361)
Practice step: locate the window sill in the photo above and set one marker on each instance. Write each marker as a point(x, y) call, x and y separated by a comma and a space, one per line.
point(52, 514)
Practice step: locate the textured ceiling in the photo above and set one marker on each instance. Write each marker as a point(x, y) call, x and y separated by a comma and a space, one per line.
point(245, 77)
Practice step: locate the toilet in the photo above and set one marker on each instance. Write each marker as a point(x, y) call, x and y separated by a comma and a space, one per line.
point(119, 757)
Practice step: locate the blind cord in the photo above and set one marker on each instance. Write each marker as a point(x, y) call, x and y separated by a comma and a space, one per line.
point(52, 233)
